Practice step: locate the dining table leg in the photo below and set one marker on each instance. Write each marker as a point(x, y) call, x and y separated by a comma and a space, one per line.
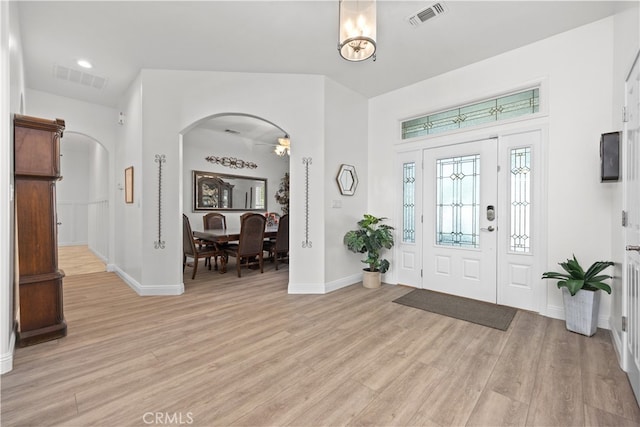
point(223, 264)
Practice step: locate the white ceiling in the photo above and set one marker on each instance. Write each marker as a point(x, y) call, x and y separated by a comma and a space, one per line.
point(121, 38)
point(245, 128)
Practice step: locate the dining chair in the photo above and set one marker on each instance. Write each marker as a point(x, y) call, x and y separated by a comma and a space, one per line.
point(279, 246)
point(213, 221)
point(190, 250)
point(249, 246)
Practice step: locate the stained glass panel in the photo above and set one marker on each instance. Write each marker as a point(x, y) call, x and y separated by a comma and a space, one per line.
point(520, 236)
point(409, 202)
point(492, 110)
point(457, 201)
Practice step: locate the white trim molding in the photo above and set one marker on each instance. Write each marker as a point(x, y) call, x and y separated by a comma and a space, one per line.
point(6, 359)
point(146, 290)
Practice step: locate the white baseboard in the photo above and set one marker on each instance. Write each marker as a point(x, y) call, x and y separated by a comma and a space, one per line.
point(343, 282)
point(324, 288)
point(557, 312)
point(306, 288)
point(618, 345)
point(6, 359)
point(146, 290)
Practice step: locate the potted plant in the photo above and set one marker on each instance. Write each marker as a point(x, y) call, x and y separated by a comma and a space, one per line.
point(371, 237)
point(580, 293)
point(282, 195)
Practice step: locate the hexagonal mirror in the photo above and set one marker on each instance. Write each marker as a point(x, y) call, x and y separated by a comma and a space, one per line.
point(347, 180)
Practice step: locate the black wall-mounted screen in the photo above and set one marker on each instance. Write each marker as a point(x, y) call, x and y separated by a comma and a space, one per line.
point(610, 156)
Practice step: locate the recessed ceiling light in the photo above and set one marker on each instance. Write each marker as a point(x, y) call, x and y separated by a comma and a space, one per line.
point(84, 63)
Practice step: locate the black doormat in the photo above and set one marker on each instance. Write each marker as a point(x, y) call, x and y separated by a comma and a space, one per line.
point(480, 312)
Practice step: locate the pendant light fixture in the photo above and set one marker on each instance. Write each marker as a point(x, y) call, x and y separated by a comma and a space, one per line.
point(357, 31)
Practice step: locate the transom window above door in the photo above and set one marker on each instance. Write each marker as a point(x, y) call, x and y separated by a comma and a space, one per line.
point(491, 110)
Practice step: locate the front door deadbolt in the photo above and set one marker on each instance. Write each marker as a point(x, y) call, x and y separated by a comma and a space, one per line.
point(491, 213)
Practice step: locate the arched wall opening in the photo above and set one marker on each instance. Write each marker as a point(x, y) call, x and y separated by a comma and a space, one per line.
point(82, 195)
point(243, 145)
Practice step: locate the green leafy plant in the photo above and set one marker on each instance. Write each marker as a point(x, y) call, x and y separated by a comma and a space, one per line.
point(371, 237)
point(576, 278)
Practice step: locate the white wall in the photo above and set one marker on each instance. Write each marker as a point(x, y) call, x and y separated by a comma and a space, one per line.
point(11, 102)
point(99, 216)
point(128, 216)
point(577, 67)
point(173, 101)
point(346, 143)
point(72, 191)
point(200, 143)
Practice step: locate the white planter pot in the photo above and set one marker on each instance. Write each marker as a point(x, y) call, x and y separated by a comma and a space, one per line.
point(581, 311)
point(371, 279)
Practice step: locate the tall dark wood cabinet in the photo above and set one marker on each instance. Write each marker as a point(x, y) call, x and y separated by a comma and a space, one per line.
point(37, 168)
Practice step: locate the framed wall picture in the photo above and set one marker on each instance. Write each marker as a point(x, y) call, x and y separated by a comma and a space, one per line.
point(128, 185)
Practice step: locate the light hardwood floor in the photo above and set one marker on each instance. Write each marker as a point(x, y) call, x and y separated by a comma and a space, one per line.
point(78, 259)
point(242, 352)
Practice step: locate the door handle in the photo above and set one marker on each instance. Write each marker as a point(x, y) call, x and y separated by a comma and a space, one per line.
point(489, 228)
point(633, 248)
point(58, 223)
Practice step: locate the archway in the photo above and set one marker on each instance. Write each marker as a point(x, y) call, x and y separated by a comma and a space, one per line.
point(83, 204)
point(239, 145)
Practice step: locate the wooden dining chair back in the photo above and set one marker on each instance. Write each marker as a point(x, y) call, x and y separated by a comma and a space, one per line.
point(279, 249)
point(190, 250)
point(244, 215)
point(249, 247)
point(214, 221)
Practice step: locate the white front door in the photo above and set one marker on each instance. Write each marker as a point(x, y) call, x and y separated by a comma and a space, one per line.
point(460, 219)
point(632, 231)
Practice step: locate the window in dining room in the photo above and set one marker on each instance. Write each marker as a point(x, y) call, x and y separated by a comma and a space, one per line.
point(260, 198)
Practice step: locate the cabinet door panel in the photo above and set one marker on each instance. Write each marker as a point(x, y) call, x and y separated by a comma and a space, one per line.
point(36, 227)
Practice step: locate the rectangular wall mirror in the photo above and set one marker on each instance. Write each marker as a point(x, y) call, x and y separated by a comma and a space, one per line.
point(216, 192)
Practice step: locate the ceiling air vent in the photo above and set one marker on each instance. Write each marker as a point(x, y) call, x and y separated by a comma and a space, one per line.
point(79, 77)
point(424, 15)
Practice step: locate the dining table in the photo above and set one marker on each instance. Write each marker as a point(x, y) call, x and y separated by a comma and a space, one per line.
point(225, 235)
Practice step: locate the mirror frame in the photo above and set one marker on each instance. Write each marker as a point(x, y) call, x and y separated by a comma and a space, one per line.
point(345, 172)
point(197, 176)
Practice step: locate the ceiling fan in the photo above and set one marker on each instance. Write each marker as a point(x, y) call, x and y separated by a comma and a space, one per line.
point(284, 146)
